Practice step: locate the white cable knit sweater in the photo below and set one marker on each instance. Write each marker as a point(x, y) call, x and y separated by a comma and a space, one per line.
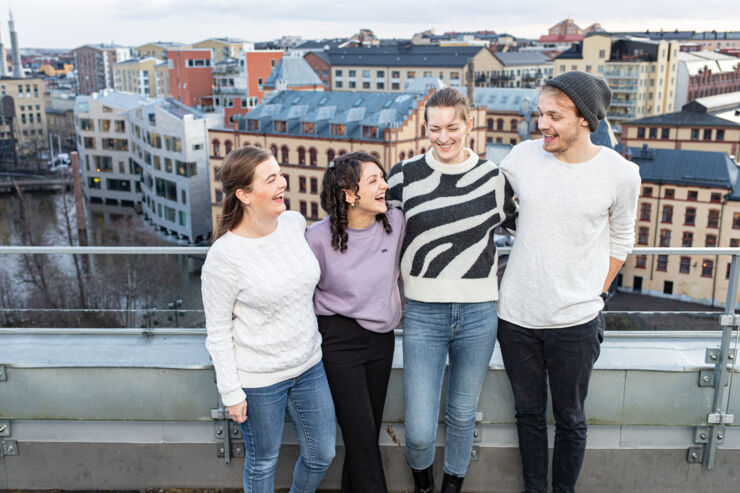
point(267, 284)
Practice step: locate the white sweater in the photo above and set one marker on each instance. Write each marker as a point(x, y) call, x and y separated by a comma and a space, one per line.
point(572, 218)
point(267, 284)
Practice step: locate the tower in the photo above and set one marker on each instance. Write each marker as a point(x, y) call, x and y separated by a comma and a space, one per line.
point(16, 50)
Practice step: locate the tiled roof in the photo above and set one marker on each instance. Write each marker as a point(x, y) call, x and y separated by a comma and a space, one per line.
point(295, 71)
point(505, 98)
point(684, 167)
point(404, 56)
point(351, 109)
point(684, 119)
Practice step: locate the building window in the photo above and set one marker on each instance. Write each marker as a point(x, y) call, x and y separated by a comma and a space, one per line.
point(669, 193)
point(301, 157)
point(312, 156)
point(716, 197)
point(667, 216)
point(685, 266)
point(647, 191)
point(665, 237)
point(713, 219)
point(640, 261)
point(690, 218)
point(707, 266)
point(645, 209)
point(309, 127)
point(302, 184)
point(692, 195)
point(688, 239)
point(303, 207)
point(662, 263)
point(314, 185)
point(664, 133)
point(653, 133)
point(707, 134)
point(330, 156)
point(285, 154)
point(337, 129)
point(279, 126)
point(314, 209)
point(640, 132)
point(642, 236)
point(694, 134)
point(711, 241)
point(734, 243)
point(720, 135)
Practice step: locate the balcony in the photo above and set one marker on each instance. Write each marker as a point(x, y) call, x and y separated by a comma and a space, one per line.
point(612, 73)
point(135, 408)
point(623, 103)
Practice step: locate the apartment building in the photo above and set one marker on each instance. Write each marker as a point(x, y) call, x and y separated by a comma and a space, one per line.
point(259, 66)
point(148, 76)
point(391, 68)
point(60, 123)
point(641, 73)
point(319, 62)
point(690, 129)
point(688, 199)
point(706, 40)
point(306, 130)
point(190, 75)
point(109, 174)
point(169, 145)
point(29, 123)
point(527, 69)
point(157, 49)
point(511, 114)
point(706, 73)
point(94, 63)
point(224, 48)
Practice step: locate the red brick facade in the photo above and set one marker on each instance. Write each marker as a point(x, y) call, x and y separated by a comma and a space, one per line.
point(191, 75)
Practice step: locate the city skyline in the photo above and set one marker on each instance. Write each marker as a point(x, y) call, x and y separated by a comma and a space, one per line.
point(136, 22)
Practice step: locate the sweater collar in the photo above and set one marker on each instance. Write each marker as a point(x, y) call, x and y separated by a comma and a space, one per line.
point(452, 169)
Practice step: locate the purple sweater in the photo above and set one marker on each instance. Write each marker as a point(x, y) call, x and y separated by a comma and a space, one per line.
point(362, 282)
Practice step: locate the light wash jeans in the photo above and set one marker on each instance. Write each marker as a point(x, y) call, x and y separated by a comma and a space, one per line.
point(309, 405)
point(432, 332)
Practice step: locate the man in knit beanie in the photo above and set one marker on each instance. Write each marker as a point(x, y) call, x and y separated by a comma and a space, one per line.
point(575, 228)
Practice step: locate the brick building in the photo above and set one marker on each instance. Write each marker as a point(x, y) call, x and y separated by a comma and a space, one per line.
point(706, 73)
point(306, 130)
point(319, 62)
point(95, 63)
point(190, 75)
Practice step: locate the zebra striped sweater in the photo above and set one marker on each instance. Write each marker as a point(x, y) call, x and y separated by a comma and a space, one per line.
point(451, 211)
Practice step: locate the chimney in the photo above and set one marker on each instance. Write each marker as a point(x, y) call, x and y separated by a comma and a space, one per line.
point(16, 50)
point(3, 56)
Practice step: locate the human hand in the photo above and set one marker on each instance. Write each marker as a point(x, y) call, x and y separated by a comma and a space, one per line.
point(238, 412)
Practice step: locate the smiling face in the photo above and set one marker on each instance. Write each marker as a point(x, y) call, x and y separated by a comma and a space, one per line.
point(559, 122)
point(447, 131)
point(268, 187)
point(371, 193)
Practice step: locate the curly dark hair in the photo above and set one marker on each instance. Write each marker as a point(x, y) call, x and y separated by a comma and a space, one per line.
point(344, 174)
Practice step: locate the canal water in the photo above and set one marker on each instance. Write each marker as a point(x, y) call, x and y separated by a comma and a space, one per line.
point(151, 281)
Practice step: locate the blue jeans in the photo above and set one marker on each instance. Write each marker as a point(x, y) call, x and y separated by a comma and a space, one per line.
point(432, 332)
point(309, 405)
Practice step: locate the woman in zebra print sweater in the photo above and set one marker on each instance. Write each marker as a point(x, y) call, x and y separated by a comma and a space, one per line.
point(453, 202)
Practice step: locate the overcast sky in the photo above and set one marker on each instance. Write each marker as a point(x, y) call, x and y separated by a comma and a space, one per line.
point(71, 23)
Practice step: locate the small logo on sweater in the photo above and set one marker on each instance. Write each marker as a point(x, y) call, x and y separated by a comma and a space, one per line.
point(384, 250)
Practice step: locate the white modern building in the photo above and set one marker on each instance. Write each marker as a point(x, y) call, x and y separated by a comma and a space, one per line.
point(109, 175)
point(169, 143)
point(150, 154)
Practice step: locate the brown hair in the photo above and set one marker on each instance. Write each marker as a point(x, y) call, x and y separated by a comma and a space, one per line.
point(562, 98)
point(237, 172)
point(449, 97)
point(344, 174)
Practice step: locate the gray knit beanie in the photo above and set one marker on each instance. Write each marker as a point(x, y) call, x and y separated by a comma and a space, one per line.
point(589, 93)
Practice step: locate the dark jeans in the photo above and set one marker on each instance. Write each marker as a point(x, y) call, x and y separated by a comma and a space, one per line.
point(358, 366)
point(565, 358)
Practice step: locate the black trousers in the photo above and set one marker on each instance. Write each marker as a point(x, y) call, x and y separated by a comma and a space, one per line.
point(565, 358)
point(358, 365)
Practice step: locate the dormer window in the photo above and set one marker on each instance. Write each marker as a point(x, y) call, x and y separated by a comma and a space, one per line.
point(309, 128)
point(279, 126)
point(369, 132)
point(253, 124)
point(337, 129)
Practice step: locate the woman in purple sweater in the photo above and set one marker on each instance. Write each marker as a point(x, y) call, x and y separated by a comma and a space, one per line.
point(358, 304)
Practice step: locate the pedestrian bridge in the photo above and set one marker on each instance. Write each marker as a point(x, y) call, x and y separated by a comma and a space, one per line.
point(128, 409)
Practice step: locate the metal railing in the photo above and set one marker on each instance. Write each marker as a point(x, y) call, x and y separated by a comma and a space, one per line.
point(707, 435)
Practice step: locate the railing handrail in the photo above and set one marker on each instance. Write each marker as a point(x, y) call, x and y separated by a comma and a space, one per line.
point(181, 250)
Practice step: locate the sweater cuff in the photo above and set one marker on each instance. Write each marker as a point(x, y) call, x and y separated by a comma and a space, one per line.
point(233, 398)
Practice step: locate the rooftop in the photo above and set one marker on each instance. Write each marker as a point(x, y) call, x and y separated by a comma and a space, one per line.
point(404, 56)
point(292, 71)
point(506, 99)
point(514, 58)
point(684, 118)
point(353, 110)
